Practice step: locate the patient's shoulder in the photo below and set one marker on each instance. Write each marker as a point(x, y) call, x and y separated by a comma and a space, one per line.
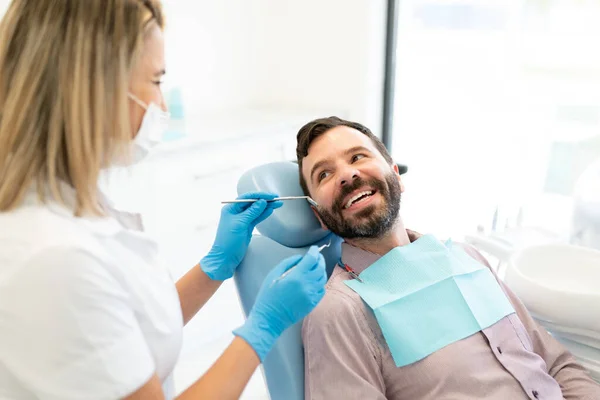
point(335, 304)
point(474, 253)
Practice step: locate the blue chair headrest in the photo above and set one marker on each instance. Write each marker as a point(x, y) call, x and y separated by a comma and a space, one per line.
point(294, 224)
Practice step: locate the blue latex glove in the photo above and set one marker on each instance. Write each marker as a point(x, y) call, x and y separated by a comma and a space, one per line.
point(236, 224)
point(281, 305)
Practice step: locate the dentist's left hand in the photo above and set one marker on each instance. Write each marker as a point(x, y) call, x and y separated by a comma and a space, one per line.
point(234, 233)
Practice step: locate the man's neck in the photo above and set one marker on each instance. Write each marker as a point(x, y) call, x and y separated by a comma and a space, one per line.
point(396, 236)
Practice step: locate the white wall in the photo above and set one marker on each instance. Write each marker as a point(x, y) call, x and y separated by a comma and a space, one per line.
point(209, 46)
point(323, 55)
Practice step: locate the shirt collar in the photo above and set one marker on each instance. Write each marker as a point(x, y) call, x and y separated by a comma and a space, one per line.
point(357, 259)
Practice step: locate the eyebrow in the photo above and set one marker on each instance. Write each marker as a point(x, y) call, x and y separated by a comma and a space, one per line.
point(321, 163)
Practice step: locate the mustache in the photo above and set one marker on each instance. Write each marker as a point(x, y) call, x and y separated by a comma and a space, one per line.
point(358, 183)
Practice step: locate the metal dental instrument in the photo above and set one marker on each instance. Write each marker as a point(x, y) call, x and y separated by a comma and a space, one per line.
point(290, 270)
point(307, 198)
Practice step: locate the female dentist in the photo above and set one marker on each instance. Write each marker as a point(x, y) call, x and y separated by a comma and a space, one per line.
point(86, 310)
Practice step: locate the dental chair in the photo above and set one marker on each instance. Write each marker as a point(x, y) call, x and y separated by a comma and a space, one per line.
point(291, 230)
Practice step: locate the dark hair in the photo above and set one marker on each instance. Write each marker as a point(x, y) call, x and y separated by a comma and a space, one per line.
point(309, 132)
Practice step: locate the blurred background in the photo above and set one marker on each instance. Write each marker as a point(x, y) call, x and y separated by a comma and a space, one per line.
point(494, 106)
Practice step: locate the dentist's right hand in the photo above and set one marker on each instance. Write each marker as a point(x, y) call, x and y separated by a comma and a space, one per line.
point(286, 302)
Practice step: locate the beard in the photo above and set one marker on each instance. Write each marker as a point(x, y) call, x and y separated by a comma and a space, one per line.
point(371, 222)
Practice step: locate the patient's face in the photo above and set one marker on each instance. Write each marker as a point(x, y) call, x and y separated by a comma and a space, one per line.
point(358, 192)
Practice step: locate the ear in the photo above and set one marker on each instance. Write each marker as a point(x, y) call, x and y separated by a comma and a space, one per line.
point(397, 171)
point(314, 210)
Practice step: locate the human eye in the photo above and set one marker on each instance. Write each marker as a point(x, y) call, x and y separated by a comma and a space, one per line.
point(322, 175)
point(357, 157)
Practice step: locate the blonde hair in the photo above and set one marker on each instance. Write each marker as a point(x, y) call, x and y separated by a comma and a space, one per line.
point(64, 75)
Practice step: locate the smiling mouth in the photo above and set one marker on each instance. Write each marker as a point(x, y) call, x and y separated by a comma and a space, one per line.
point(359, 197)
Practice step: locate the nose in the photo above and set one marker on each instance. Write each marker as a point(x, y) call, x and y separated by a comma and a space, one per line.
point(163, 104)
point(347, 175)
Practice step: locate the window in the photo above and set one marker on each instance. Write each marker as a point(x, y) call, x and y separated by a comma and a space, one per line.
point(497, 114)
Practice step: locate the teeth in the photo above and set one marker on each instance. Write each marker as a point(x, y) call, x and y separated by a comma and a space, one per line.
point(358, 196)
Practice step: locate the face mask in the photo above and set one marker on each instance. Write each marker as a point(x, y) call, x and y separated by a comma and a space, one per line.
point(154, 124)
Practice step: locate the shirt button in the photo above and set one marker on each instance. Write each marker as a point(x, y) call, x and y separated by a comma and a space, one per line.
point(536, 394)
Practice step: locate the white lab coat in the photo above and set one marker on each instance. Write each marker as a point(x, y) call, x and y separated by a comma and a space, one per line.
point(86, 309)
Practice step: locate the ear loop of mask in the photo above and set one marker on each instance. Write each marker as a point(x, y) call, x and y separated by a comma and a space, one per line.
point(138, 101)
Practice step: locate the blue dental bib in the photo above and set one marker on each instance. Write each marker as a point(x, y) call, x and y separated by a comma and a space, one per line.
point(428, 295)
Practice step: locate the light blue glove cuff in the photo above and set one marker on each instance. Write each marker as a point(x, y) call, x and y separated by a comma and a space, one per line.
point(259, 335)
point(213, 265)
